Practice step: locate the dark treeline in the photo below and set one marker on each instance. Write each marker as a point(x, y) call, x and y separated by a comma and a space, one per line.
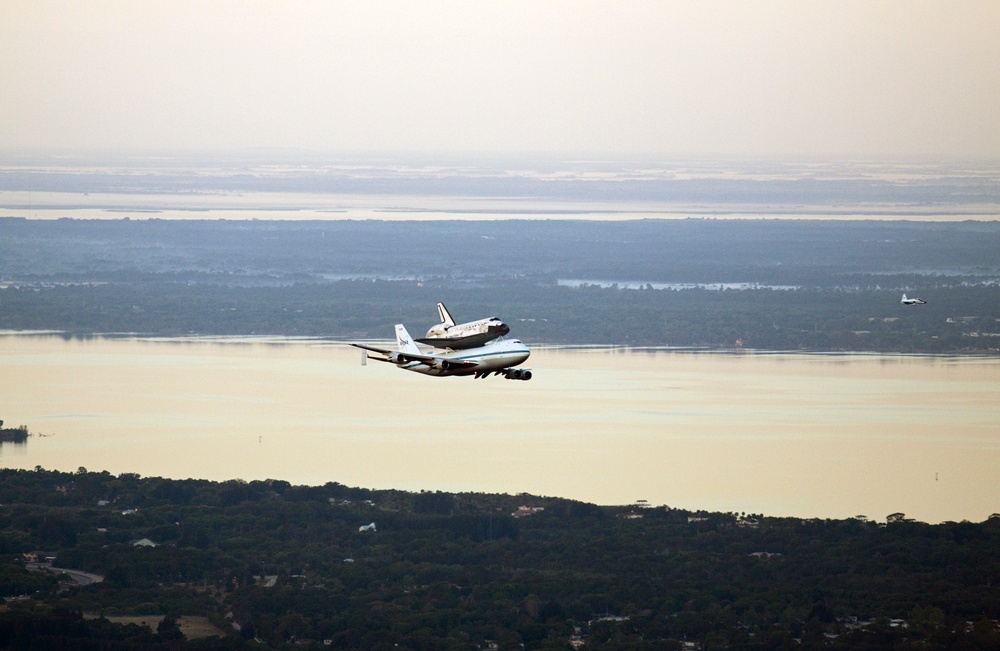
point(13, 434)
point(291, 566)
point(821, 285)
point(959, 319)
point(821, 253)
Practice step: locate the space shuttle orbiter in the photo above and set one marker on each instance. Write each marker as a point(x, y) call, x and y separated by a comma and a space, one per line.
point(448, 334)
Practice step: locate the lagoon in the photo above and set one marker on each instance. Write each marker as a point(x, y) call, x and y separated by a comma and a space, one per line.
point(781, 434)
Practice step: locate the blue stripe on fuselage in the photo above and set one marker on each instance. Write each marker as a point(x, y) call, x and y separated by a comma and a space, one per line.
point(416, 366)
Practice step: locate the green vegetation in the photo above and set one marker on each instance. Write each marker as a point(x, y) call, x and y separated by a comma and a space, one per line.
point(291, 566)
point(812, 320)
point(815, 285)
point(13, 434)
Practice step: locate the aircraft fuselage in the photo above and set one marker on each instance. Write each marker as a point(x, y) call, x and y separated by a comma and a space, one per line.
point(494, 357)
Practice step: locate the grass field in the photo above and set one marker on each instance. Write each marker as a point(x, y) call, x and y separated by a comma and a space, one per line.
point(192, 627)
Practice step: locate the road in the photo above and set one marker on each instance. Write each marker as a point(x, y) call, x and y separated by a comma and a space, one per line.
point(81, 578)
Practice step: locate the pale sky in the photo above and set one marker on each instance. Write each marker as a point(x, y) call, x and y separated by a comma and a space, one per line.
point(743, 78)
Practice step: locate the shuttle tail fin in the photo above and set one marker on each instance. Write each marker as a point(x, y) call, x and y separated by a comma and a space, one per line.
point(404, 340)
point(445, 315)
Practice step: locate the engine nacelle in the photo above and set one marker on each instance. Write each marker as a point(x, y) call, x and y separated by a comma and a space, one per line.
point(396, 358)
point(517, 374)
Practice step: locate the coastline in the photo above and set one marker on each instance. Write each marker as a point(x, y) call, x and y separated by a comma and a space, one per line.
point(319, 341)
point(292, 206)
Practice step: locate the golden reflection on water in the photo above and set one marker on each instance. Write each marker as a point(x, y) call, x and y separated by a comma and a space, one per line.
point(778, 434)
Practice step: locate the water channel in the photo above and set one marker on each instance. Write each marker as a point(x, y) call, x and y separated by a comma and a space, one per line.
point(782, 434)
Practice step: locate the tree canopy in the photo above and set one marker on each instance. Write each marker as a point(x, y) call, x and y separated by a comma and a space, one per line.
point(291, 566)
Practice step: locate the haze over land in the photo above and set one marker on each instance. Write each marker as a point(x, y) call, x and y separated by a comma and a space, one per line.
point(310, 185)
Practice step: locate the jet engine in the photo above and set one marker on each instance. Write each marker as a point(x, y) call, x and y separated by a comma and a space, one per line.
point(517, 374)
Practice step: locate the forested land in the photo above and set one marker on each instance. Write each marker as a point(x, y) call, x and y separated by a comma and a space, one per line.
point(299, 567)
point(823, 285)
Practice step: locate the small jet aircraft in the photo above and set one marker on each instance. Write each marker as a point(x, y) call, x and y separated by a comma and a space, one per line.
point(494, 358)
point(464, 335)
point(912, 301)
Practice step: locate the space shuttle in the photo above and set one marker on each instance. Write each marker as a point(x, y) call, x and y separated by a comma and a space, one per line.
point(448, 334)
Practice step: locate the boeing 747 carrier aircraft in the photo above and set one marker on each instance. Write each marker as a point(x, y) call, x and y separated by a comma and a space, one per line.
point(496, 357)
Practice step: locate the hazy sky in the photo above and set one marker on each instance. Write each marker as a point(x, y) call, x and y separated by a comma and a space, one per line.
point(872, 78)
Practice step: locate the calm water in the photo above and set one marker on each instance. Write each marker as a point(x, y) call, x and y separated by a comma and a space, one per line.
point(779, 434)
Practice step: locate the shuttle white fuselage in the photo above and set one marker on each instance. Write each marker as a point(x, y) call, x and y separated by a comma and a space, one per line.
point(448, 334)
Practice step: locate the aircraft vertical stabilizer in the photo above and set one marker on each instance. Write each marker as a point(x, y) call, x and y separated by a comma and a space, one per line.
point(405, 342)
point(445, 315)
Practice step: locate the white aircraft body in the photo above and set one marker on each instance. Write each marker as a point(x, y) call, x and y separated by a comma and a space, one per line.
point(497, 357)
point(912, 301)
point(464, 335)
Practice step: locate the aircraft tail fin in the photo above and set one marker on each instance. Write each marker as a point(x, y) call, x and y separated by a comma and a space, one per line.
point(404, 340)
point(903, 300)
point(445, 315)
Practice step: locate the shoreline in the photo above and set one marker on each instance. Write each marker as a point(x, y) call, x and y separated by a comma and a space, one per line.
point(318, 341)
point(312, 206)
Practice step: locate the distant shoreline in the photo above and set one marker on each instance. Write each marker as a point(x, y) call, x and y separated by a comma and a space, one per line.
point(318, 341)
point(294, 207)
point(312, 186)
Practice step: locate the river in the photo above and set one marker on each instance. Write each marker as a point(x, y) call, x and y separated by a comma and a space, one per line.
point(829, 436)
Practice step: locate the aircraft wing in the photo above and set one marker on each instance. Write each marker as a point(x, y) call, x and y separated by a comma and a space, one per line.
point(384, 351)
point(437, 360)
point(430, 360)
point(381, 351)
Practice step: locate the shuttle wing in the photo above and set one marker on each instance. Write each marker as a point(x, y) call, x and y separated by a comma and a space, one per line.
point(458, 343)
